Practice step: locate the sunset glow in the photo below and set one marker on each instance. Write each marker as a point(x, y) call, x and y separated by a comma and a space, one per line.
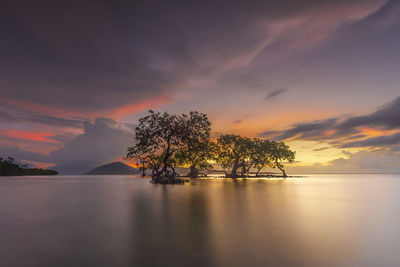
point(321, 77)
point(41, 137)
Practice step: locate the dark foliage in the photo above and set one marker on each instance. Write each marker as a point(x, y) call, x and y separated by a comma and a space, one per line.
point(8, 167)
point(165, 141)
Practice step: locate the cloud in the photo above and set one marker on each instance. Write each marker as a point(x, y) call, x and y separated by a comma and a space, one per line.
point(111, 60)
point(379, 141)
point(275, 93)
point(10, 114)
point(320, 149)
point(57, 122)
point(102, 141)
point(376, 161)
point(94, 64)
point(344, 133)
point(25, 135)
point(22, 155)
point(63, 138)
point(302, 130)
point(118, 59)
point(5, 117)
point(386, 117)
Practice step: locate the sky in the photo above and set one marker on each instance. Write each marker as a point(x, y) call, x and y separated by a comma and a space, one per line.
point(321, 75)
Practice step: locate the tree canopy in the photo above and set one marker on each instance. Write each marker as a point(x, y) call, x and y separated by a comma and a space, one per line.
point(279, 153)
point(198, 148)
point(261, 156)
point(233, 152)
point(164, 141)
point(236, 152)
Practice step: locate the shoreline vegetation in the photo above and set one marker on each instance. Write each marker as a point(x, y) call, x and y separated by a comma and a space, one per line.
point(164, 142)
point(8, 167)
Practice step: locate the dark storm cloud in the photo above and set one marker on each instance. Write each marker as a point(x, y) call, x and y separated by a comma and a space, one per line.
point(275, 93)
point(100, 55)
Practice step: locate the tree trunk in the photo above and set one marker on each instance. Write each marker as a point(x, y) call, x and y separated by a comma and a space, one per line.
point(167, 174)
point(234, 169)
point(143, 170)
point(259, 169)
point(283, 172)
point(243, 170)
point(163, 176)
point(278, 165)
point(193, 172)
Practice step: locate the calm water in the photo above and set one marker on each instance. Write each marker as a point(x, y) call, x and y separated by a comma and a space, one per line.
point(324, 220)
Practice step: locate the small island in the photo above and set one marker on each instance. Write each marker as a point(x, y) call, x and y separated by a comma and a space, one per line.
point(8, 167)
point(164, 142)
point(113, 168)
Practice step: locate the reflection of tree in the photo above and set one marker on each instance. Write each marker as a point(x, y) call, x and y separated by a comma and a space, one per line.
point(170, 230)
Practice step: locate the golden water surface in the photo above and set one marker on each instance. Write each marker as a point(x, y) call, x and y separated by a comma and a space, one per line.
point(322, 220)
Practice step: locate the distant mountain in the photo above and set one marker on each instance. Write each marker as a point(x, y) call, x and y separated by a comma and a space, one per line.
point(113, 168)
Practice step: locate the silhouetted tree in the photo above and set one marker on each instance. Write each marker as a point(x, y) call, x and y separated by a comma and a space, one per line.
point(161, 136)
point(279, 153)
point(233, 152)
point(9, 167)
point(141, 156)
point(165, 141)
point(249, 151)
point(197, 150)
point(261, 157)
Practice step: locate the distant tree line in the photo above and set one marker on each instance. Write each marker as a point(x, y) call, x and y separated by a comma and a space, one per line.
point(8, 167)
point(166, 141)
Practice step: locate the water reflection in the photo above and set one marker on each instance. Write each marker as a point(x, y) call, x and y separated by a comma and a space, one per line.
point(170, 230)
point(124, 221)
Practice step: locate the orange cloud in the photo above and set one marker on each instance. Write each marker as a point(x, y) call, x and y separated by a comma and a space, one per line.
point(129, 109)
point(116, 113)
point(41, 137)
point(371, 132)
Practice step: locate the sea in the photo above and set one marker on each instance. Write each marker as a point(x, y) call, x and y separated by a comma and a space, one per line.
point(317, 220)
